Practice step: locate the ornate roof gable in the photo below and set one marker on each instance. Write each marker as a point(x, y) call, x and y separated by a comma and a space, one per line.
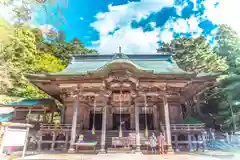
point(120, 56)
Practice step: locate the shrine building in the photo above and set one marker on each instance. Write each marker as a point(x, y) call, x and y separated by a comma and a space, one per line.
point(111, 97)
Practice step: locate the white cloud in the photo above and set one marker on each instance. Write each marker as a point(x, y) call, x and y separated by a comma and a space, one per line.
point(136, 40)
point(227, 12)
point(122, 15)
point(180, 25)
point(81, 18)
point(166, 36)
point(133, 41)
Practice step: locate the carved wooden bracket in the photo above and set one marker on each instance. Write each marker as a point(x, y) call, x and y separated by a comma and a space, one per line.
point(71, 92)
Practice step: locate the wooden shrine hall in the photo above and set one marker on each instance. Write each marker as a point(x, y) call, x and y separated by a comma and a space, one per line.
point(121, 99)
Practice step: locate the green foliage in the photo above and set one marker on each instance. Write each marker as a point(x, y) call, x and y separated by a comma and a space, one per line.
point(195, 55)
point(226, 96)
point(42, 63)
point(5, 32)
point(27, 52)
point(228, 46)
point(21, 49)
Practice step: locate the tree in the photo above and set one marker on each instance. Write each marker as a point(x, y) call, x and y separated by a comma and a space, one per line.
point(227, 93)
point(228, 46)
point(5, 32)
point(195, 55)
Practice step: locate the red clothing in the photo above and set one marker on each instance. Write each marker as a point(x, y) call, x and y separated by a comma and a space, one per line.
point(161, 143)
point(11, 148)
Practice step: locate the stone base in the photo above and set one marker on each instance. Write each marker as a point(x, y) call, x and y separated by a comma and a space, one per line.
point(138, 150)
point(71, 150)
point(102, 151)
point(170, 149)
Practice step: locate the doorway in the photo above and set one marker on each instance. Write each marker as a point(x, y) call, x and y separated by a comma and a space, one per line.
point(98, 121)
point(142, 121)
point(125, 118)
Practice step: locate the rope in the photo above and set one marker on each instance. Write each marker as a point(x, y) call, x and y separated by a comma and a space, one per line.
point(94, 108)
point(146, 126)
point(120, 127)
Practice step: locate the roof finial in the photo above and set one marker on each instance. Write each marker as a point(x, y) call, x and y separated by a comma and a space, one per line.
point(119, 49)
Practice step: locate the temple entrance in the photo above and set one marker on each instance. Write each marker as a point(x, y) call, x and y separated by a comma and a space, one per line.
point(142, 121)
point(98, 121)
point(125, 118)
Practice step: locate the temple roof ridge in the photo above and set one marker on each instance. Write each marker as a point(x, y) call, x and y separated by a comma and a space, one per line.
point(120, 56)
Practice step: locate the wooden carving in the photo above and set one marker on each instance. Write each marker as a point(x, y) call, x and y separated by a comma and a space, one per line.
point(122, 78)
point(70, 92)
point(117, 97)
point(152, 85)
point(176, 91)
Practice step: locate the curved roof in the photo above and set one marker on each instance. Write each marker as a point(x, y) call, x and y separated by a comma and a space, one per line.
point(157, 64)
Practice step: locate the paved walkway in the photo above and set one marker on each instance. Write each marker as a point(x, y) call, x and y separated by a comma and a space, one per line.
point(122, 156)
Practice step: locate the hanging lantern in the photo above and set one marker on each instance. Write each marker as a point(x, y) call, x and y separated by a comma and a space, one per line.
point(146, 131)
point(93, 130)
point(120, 131)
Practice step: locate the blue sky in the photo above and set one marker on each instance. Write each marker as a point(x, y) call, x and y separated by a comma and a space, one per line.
point(136, 25)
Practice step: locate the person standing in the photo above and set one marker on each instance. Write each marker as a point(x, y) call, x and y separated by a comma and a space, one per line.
point(153, 142)
point(161, 143)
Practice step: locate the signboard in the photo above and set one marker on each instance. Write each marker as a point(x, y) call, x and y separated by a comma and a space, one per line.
point(14, 137)
point(117, 97)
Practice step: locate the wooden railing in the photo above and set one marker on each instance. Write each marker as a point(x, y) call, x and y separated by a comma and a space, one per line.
point(53, 127)
point(174, 127)
point(187, 127)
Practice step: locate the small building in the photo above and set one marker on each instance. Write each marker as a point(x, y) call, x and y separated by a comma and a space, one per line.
point(114, 96)
point(33, 111)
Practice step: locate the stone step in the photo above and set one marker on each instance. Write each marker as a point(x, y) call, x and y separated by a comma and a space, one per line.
point(119, 150)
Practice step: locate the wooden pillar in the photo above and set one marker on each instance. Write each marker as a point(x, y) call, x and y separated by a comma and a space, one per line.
point(176, 143)
point(53, 141)
point(74, 126)
point(198, 109)
point(132, 118)
point(104, 127)
point(40, 142)
point(63, 115)
point(66, 140)
point(167, 124)
point(190, 142)
point(155, 118)
point(204, 138)
point(52, 115)
point(109, 118)
point(138, 144)
point(86, 118)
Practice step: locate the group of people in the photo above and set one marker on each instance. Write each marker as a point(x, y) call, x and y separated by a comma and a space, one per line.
point(158, 141)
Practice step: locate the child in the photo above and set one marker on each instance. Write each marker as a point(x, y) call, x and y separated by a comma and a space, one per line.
point(80, 139)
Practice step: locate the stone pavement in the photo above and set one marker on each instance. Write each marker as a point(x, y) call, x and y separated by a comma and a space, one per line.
point(119, 156)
